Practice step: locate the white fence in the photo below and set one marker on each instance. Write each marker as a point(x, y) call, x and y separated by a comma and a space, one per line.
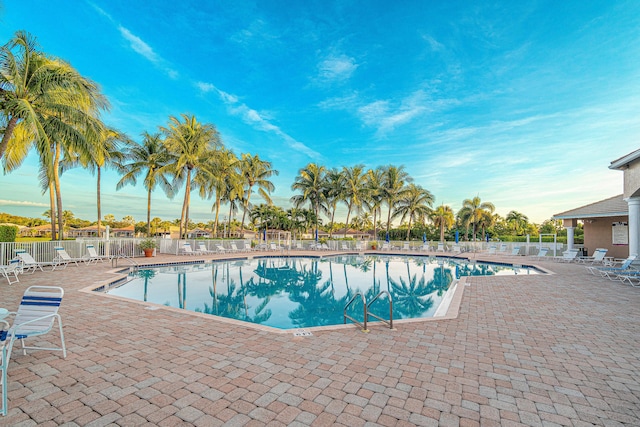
point(128, 247)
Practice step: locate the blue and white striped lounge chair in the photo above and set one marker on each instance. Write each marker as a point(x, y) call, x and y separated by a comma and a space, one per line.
point(567, 256)
point(611, 272)
point(36, 315)
point(542, 253)
point(187, 250)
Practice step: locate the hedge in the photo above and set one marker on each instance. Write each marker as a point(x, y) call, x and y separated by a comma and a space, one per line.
point(8, 233)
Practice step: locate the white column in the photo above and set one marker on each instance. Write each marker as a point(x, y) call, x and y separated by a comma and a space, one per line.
point(570, 232)
point(634, 225)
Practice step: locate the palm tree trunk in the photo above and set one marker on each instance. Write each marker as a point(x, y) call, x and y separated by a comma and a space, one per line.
point(389, 217)
point(246, 206)
point(7, 135)
point(149, 213)
point(98, 202)
point(409, 228)
point(346, 227)
point(56, 182)
point(442, 231)
point(184, 203)
point(215, 224)
point(52, 217)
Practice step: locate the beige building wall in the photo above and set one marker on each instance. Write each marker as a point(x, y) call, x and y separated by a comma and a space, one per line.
point(632, 180)
point(598, 234)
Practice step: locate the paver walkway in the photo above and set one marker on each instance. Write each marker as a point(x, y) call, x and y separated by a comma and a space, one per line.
point(542, 350)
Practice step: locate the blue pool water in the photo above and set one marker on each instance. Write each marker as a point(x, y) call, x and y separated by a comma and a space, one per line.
point(298, 292)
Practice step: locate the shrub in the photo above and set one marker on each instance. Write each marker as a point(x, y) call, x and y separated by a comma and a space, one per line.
point(8, 233)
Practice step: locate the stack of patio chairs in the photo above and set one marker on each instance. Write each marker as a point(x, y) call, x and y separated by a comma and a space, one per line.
point(597, 258)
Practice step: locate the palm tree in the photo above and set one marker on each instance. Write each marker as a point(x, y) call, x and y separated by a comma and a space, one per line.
point(472, 211)
point(354, 191)
point(225, 163)
point(415, 203)
point(393, 184)
point(486, 221)
point(256, 173)
point(190, 143)
point(106, 151)
point(443, 217)
point(333, 193)
point(518, 222)
point(311, 183)
point(151, 158)
point(47, 103)
point(375, 195)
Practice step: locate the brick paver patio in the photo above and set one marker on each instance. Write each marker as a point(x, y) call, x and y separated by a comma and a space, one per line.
point(542, 350)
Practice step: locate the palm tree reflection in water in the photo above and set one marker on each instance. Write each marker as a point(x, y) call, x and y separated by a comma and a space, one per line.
point(305, 292)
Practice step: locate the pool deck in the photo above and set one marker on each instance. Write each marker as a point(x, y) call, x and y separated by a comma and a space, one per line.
point(540, 350)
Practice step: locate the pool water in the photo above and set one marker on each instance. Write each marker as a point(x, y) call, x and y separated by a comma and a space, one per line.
point(299, 292)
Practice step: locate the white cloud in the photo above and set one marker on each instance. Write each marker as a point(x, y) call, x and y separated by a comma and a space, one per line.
point(138, 45)
point(336, 68)
point(22, 203)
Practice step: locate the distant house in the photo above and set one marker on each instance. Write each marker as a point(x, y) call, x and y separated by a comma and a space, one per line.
point(198, 233)
point(38, 231)
point(613, 223)
point(354, 234)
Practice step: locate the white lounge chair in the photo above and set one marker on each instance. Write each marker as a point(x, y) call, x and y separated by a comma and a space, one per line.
point(440, 248)
point(36, 315)
point(234, 247)
point(632, 277)
point(406, 246)
point(28, 263)
point(221, 249)
point(515, 251)
point(386, 246)
point(567, 256)
point(344, 246)
point(92, 255)
point(12, 269)
point(598, 257)
point(503, 249)
point(492, 250)
point(188, 250)
point(456, 249)
point(542, 253)
point(62, 258)
point(202, 249)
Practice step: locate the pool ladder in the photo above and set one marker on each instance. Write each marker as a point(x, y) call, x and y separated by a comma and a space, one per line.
point(365, 307)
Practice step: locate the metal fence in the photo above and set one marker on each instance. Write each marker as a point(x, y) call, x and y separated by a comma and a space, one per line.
point(128, 247)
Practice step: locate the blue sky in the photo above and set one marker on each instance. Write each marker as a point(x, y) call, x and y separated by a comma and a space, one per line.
point(524, 104)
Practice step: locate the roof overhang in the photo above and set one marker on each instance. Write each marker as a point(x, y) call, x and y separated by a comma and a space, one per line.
point(623, 162)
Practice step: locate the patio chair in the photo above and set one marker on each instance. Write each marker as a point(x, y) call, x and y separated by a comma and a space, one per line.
point(344, 246)
point(386, 246)
point(220, 249)
point(456, 249)
point(406, 246)
point(36, 316)
point(29, 264)
point(515, 251)
point(632, 277)
point(440, 248)
point(186, 249)
point(567, 256)
point(234, 247)
point(202, 249)
point(12, 269)
point(92, 255)
point(598, 257)
point(492, 250)
point(62, 258)
point(503, 249)
point(542, 253)
point(610, 272)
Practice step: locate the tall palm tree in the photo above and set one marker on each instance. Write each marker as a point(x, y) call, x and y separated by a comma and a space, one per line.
point(375, 195)
point(256, 172)
point(354, 190)
point(415, 203)
point(106, 151)
point(150, 158)
point(472, 210)
point(311, 184)
point(225, 163)
point(393, 184)
point(487, 220)
point(443, 217)
point(190, 143)
point(333, 193)
point(45, 102)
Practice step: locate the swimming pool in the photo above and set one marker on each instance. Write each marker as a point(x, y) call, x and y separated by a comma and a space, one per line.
point(300, 292)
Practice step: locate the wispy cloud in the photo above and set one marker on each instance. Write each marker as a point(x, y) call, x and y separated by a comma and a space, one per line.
point(336, 68)
point(256, 120)
point(22, 203)
point(138, 45)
